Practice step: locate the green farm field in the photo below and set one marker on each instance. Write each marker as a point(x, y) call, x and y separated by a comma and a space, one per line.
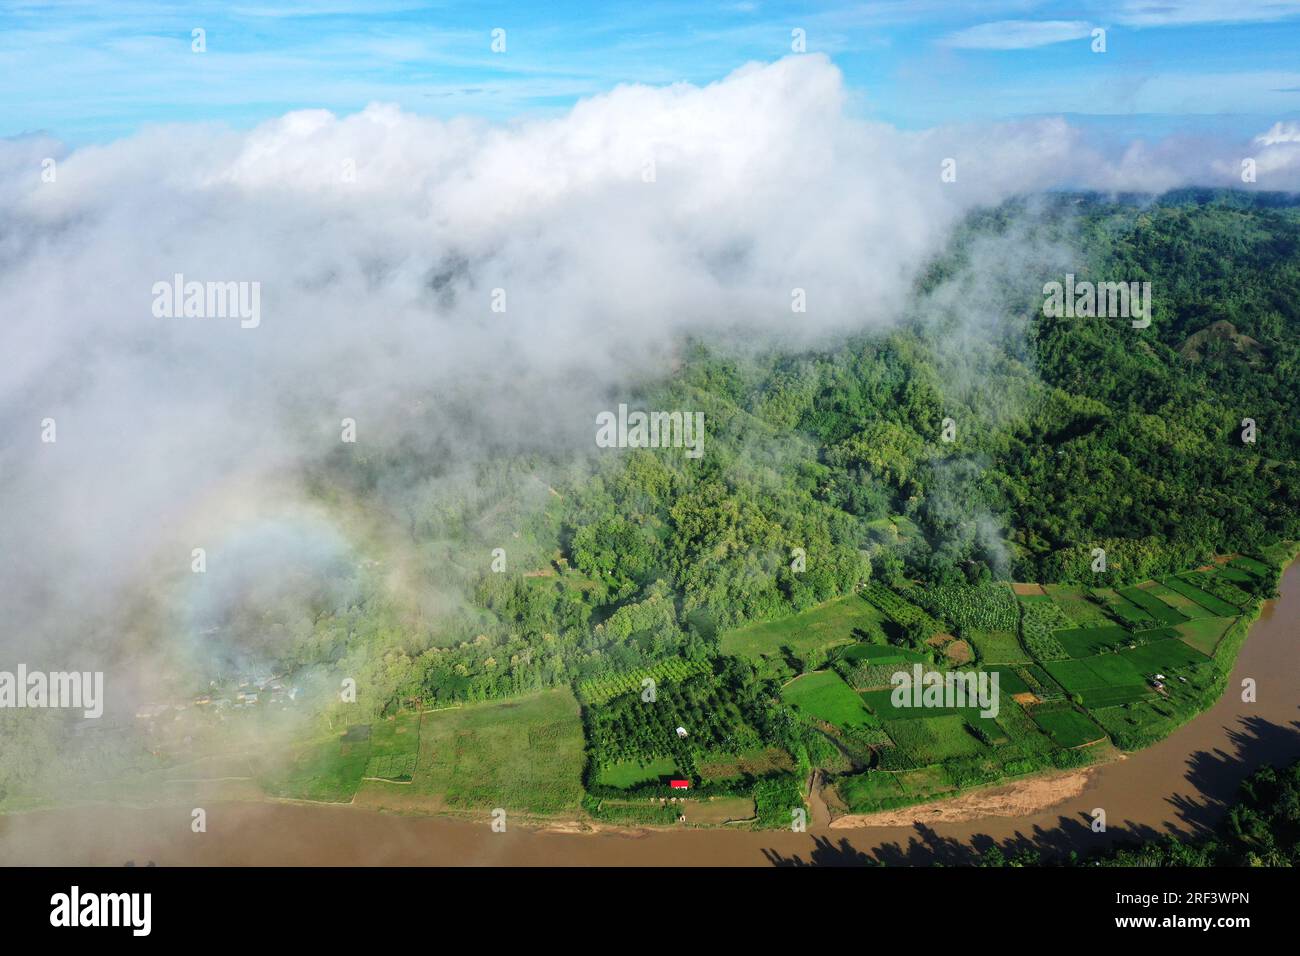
point(998, 647)
point(1216, 606)
point(934, 739)
point(1086, 641)
point(1204, 633)
point(630, 773)
point(1181, 602)
point(1066, 726)
point(1078, 605)
point(824, 696)
point(817, 630)
point(524, 754)
point(1161, 612)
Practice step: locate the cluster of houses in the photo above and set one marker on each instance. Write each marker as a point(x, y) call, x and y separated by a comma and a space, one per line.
point(243, 692)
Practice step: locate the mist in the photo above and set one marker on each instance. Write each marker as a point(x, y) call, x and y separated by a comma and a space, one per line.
point(458, 290)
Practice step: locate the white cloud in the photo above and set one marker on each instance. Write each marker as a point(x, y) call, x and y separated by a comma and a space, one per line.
point(1017, 34)
point(376, 294)
point(1280, 133)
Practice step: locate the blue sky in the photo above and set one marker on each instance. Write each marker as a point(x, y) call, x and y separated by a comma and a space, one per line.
point(90, 72)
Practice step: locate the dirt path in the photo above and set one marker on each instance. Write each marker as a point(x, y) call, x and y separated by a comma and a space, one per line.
point(819, 811)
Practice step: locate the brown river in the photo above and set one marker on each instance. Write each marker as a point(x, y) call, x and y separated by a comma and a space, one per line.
point(1178, 786)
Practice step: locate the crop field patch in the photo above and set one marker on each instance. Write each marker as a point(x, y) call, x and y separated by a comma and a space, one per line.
point(825, 696)
point(1112, 694)
point(1137, 718)
point(879, 654)
point(1180, 602)
point(1216, 606)
point(816, 630)
point(1040, 618)
point(1227, 584)
point(600, 690)
point(999, 647)
point(1205, 633)
point(990, 607)
point(1164, 656)
point(398, 767)
point(1079, 608)
point(329, 771)
point(481, 755)
point(934, 739)
point(1074, 675)
point(1009, 680)
point(1162, 613)
point(630, 773)
point(759, 762)
point(870, 790)
point(1067, 726)
point(1087, 641)
point(1236, 575)
point(898, 609)
point(1125, 610)
point(1101, 681)
point(881, 704)
point(1257, 568)
point(1113, 669)
point(1040, 682)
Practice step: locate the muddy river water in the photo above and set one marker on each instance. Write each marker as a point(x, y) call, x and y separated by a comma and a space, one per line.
point(1177, 786)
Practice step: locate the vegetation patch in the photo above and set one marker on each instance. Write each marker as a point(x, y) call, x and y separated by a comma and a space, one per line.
point(902, 611)
point(990, 607)
point(809, 635)
point(1215, 606)
point(1078, 605)
point(1160, 612)
point(871, 790)
point(1124, 610)
point(524, 755)
point(598, 690)
point(1067, 726)
point(329, 771)
point(626, 774)
point(1039, 618)
point(824, 696)
point(998, 647)
point(1184, 605)
point(1086, 641)
point(933, 739)
point(1205, 633)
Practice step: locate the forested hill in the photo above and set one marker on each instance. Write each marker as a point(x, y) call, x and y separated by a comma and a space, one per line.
point(825, 471)
point(1069, 435)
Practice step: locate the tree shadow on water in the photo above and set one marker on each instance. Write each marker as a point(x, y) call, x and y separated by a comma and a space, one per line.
point(1216, 775)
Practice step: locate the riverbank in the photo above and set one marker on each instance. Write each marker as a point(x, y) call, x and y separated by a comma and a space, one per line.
point(1177, 786)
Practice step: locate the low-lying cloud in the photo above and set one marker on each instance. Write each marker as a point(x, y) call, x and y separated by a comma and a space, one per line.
point(458, 287)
